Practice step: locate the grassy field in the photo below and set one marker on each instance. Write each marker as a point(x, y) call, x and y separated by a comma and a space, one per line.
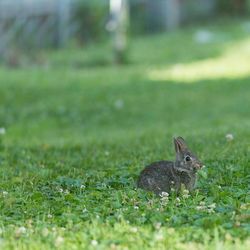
point(78, 134)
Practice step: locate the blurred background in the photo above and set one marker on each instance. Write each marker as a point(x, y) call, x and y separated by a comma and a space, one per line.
point(93, 90)
point(28, 27)
point(92, 69)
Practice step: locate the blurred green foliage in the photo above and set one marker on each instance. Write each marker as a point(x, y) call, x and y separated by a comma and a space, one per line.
point(91, 17)
point(236, 7)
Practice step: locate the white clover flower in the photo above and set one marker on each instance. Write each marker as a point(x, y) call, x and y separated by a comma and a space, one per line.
point(219, 186)
point(237, 223)
point(94, 242)
point(60, 190)
point(85, 210)
point(2, 131)
point(178, 201)
point(202, 203)
point(200, 208)
point(185, 194)
point(49, 216)
point(244, 206)
point(134, 229)
point(164, 194)
point(157, 225)
point(159, 236)
point(164, 200)
point(5, 193)
point(229, 137)
point(82, 186)
point(210, 210)
point(59, 240)
point(45, 232)
point(136, 207)
point(164, 197)
point(212, 206)
point(228, 236)
point(20, 231)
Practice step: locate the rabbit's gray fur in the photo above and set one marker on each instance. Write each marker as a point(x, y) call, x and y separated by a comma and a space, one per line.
point(162, 176)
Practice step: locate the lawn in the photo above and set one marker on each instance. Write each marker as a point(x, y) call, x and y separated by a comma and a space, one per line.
point(78, 133)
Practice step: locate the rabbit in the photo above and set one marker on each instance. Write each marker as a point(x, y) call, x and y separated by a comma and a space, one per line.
point(164, 176)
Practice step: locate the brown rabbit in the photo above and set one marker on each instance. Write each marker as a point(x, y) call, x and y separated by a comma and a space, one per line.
point(162, 176)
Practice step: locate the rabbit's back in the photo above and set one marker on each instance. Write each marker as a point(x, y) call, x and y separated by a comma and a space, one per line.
point(158, 177)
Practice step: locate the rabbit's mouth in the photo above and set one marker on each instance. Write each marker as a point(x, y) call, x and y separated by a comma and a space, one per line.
point(185, 170)
point(197, 166)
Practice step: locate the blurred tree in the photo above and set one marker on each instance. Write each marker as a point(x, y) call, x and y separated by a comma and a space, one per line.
point(90, 18)
point(64, 9)
point(233, 6)
point(118, 25)
point(172, 10)
point(240, 5)
point(163, 14)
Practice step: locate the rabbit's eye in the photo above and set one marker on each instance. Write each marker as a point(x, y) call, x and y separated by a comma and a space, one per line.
point(187, 158)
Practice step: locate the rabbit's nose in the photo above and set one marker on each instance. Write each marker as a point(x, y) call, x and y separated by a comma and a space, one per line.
point(198, 165)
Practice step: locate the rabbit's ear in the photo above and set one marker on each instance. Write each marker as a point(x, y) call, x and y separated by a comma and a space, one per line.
point(180, 144)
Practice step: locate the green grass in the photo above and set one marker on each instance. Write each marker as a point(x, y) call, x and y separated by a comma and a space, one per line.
point(77, 136)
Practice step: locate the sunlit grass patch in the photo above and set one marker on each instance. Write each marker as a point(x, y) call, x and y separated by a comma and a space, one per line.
point(234, 63)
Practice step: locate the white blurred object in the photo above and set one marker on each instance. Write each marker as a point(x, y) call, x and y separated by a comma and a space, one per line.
point(119, 104)
point(115, 5)
point(118, 25)
point(246, 26)
point(229, 137)
point(134, 229)
point(20, 230)
point(203, 36)
point(173, 14)
point(94, 242)
point(2, 131)
point(59, 240)
point(5, 193)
